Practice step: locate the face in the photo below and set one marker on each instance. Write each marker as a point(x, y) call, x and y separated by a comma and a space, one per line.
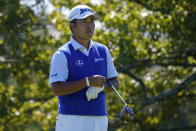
point(83, 29)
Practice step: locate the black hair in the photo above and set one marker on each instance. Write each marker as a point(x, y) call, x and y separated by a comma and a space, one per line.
point(73, 21)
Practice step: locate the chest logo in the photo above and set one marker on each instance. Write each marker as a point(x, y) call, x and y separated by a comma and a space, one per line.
point(79, 63)
point(98, 59)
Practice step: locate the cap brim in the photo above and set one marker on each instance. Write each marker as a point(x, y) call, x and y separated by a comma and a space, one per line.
point(91, 14)
point(87, 15)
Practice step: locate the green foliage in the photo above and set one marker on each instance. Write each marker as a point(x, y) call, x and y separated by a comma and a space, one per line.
point(152, 44)
point(25, 54)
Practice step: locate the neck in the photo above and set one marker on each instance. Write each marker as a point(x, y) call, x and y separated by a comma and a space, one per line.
point(83, 42)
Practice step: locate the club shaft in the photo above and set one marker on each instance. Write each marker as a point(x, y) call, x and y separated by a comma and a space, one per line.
point(116, 91)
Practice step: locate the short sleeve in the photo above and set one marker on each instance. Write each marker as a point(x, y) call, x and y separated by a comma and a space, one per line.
point(111, 70)
point(58, 68)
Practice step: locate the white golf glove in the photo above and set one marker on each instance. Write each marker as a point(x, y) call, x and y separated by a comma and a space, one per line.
point(92, 92)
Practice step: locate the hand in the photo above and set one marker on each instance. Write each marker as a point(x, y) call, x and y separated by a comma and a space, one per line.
point(92, 92)
point(97, 81)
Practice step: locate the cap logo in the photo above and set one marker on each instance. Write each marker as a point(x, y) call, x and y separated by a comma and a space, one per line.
point(85, 10)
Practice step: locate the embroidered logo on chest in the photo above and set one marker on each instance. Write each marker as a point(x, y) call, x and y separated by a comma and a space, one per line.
point(79, 63)
point(98, 59)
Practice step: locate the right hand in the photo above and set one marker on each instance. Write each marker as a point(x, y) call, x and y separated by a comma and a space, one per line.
point(97, 81)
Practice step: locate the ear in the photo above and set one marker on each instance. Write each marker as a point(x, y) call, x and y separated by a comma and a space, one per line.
point(72, 26)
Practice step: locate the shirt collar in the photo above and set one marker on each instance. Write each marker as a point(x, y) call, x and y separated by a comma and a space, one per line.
point(76, 45)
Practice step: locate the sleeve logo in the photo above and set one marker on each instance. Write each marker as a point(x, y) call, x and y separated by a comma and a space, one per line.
point(53, 75)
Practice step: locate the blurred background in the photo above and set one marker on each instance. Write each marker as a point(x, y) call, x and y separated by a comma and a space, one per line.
point(152, 43)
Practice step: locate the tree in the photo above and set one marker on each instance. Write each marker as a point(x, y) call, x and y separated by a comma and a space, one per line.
point(25, 46)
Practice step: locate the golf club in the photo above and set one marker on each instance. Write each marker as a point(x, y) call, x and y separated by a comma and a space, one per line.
point(126, 113)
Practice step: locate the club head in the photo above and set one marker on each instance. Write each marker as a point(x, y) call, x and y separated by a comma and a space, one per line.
point(126, 114)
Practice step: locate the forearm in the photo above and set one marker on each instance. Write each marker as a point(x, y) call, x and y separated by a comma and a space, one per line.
point(66, 88)
point(114, 82)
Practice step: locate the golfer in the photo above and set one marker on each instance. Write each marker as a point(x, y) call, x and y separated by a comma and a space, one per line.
point(78, 74)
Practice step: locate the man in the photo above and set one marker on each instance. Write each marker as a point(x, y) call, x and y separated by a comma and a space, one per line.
point(78, 74)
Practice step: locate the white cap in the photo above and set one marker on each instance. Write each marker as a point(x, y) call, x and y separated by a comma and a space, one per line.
point(80, 12)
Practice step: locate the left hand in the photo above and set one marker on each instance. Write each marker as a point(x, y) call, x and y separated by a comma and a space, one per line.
point(97, 81)
point(92, 92)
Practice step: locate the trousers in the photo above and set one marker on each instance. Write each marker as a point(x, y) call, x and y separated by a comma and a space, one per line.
point(81, 123)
